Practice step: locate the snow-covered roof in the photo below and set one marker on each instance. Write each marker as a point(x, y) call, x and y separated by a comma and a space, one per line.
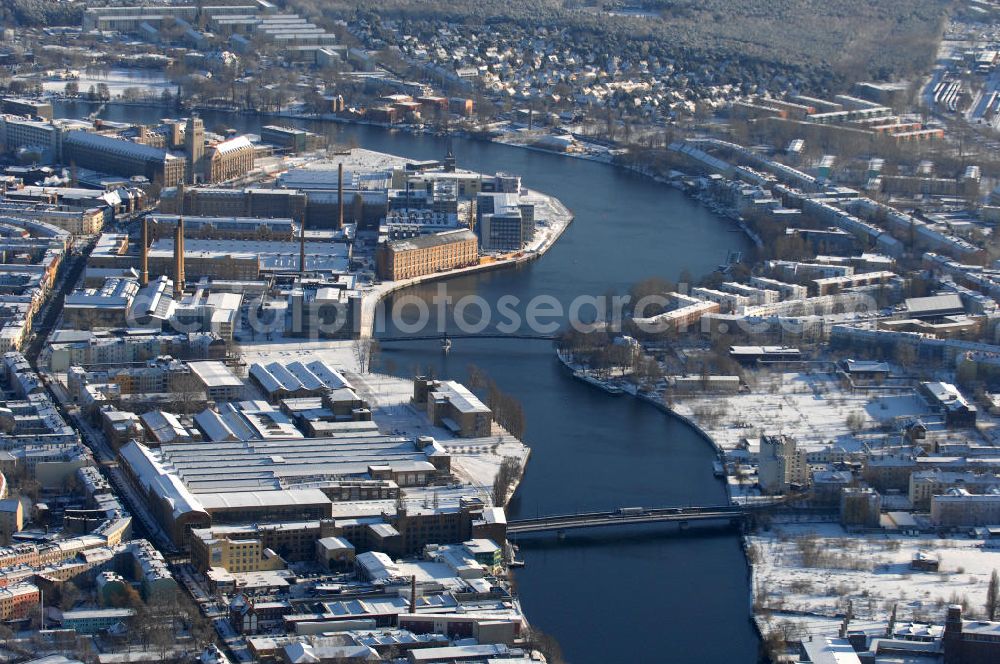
point(376, 565)
point(233, 145)
point(151, 473)
point(213, 426)
point(117, 145)
point(460, 397)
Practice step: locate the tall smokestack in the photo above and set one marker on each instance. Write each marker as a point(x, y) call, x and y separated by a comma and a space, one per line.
point(413, 594)
point(340, 194)
point(302, 247)
point(179, 258)
point(144, 251)
point(180, 222)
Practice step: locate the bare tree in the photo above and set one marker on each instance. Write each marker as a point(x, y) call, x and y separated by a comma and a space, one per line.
point(365, 349)
point(509, 470)
point(993, 597)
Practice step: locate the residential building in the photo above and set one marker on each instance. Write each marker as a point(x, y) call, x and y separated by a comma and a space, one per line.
point(860, 507)
point(781, 464)
point(926, 484)
point(946, 399)
point(18, 601)
point(11, 519)
point(959, 508)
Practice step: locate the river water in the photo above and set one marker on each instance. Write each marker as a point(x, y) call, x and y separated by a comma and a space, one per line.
point(647, 595)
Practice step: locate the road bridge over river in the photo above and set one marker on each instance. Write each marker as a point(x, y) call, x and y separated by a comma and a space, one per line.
point(627, 516)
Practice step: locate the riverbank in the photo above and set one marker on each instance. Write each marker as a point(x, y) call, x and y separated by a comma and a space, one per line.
point(604, 156)
point(587, 452)
point(557, 218)
point(625, 387)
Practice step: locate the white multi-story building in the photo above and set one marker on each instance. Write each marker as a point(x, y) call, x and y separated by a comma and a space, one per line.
point(780, 464)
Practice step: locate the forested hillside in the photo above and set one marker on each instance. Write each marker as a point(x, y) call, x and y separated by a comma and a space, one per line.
point(825, 41)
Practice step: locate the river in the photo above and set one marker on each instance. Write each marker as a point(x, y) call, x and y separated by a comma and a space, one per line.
point(648, 595)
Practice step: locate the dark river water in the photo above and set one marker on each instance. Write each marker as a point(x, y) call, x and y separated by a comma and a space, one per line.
point(608, 597)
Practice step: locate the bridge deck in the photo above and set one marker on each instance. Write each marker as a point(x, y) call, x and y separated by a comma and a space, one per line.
point(619, 518)
point(442, 336)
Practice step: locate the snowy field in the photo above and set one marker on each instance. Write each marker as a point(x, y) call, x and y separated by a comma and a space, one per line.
point(813, 408)
point(815, 569)
point(150, 83)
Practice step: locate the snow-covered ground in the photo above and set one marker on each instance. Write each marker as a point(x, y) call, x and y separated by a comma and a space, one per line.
point(813, 408)
point(357, 159)
point(475, 461)
point(817, 568)
point(151, 83)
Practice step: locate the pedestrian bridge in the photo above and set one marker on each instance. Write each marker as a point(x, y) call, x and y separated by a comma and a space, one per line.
point(449, 336)
point(638, 515)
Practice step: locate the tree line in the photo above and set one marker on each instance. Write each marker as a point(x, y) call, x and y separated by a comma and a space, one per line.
point(507, 409)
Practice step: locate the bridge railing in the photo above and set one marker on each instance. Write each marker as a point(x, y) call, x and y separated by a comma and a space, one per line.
point(646, 512)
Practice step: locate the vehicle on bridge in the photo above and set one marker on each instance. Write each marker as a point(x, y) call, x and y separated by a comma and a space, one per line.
point(630, 511)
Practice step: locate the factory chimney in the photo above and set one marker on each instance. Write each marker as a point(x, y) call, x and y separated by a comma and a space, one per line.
point(340, 195)
point(144, 251)
point(302, 247)
point(179, 258)
point(413, 593)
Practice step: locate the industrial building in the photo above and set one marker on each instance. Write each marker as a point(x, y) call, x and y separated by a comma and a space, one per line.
point(219, 383)
point(291, 139)
point(323, 311)
point(946, 399)
point(224, 228)
point(453, 406)
point(30, 108)
point(107, 307)
point(198, 484)
point(427, 254)
point(247, 202)
point(228, 159)
point(19, 132)
point(244, 260)
point(122, 157)
point(298, 379)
